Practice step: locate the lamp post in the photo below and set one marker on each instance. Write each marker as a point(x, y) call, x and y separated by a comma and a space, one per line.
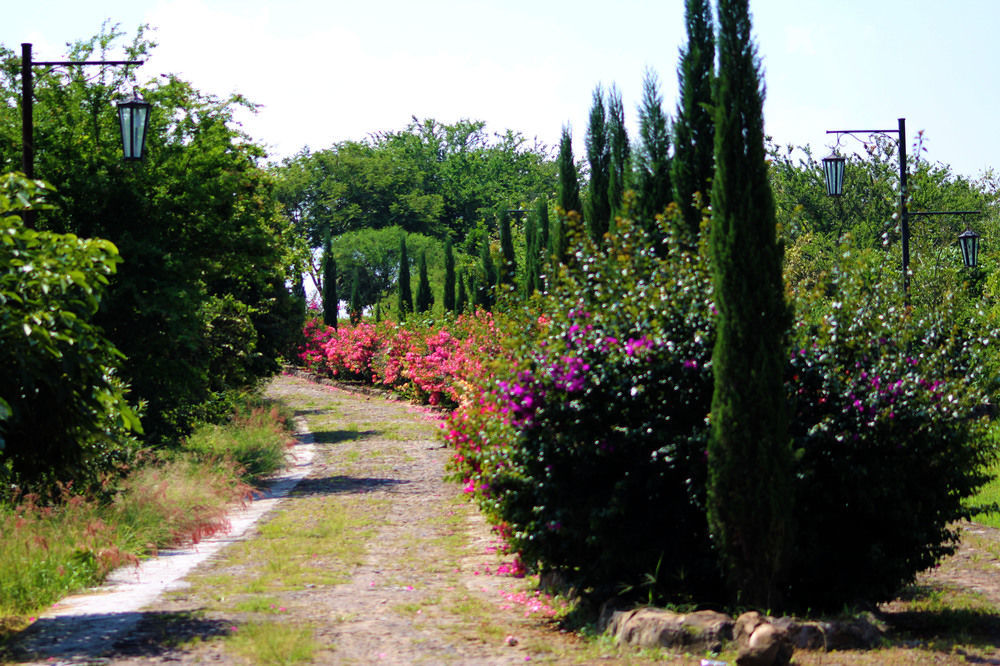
point(133, 115)
point(834, 172)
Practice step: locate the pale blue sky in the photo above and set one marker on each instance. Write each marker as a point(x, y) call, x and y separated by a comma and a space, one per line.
point(357, 67)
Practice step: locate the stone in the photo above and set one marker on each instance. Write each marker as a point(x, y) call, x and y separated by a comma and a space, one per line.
point(768, 645)
point(652, 627)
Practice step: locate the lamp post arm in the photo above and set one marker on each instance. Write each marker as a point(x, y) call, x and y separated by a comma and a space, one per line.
point(27, 109)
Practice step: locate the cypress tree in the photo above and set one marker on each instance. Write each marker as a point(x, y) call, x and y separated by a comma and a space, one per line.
point(484, 294)
point(508, 265)
point(621, 153)
point(694, 125)
point(569, 180)
point(599, 157)
point(404, 302)
point(543, 253)
point(355, 304)
point(424, 296)
point(653, 189)
point(331, 306)
point(460, 299)
point(449, 277)
point(749, 452)
point(530, 278)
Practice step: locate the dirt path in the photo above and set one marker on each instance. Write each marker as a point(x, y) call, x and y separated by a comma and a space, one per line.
point(372, 558)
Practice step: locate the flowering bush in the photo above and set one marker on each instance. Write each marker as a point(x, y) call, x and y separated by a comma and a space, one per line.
point(591, 450)
point(431, 363)
point(883, 403)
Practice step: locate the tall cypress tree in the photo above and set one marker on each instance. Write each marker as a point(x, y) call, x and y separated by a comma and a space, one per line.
point(694, 125)
point(331, 306)
point(356, 308)
point(508, 265)
point(484, 293)
point(404, 303)
point(599, 157)
point(653, 164)
point(461, 300)
point(569, 179)
point(621, 152)
point(424, 296)
point(544, 252)
point(530, 278)
point(749, 452)
point(448, 300)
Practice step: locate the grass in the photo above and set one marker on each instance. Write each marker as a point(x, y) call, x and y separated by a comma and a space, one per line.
point(48, 552)
point(273, 643)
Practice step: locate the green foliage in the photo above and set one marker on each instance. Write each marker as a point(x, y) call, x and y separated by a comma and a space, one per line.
point(431, 178)
point(508, 264)
point(621, 153)
point(331, 303)
point(750, 460)
point(404, 301)
point(194, 223)
point(597, 469)
point(355, 305)
point(484, 291)
point(461, 300)
point(63, 412)
point(531, 279)
point(424, 296)
point(694, 126)
point(599, 158)
point(448, 299)
point(569, 180)
point(884, 402)
point(653, 164)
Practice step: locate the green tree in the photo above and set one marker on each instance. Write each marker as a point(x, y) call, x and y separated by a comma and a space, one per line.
point(63, 412)
point(531, 257)
point(461, 300)
point(694, 125)
point(508, 264)
point(448, 299)
point(621, 152)
point(425, 299)
point(204, 246)
point(331, 304)
point(355, 305)
point(404, 303)
point(599, 157)
point(484, 291)
point(749, 452)
point(653, 164)
point(569, 180)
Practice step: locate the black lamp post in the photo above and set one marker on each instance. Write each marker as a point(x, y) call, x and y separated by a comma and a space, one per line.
point(834, 168)
point(134, 115)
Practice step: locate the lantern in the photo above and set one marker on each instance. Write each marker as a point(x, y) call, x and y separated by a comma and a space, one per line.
point(134, 118)
point(833, 171)
point(968, 240)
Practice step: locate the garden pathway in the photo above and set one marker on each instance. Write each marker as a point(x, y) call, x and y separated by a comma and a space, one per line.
point(371, 558)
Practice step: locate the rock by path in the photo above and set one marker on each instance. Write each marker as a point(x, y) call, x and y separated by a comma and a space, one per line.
point(411, 579)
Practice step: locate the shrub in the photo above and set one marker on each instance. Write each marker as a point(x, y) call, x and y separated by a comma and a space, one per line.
point(63, 411)
point(591, 453)
point(884, 402)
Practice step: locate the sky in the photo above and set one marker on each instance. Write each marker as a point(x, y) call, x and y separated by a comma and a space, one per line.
point(325, 71)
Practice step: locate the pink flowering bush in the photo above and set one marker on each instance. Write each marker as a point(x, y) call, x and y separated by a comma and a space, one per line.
point(433, 363)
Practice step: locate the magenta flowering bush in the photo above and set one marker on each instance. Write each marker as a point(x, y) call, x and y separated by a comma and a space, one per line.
point(590, 451)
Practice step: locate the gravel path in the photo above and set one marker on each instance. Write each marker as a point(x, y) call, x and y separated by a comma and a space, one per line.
point(420, 587)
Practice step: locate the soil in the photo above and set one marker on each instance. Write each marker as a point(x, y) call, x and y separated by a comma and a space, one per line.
point(425, 587)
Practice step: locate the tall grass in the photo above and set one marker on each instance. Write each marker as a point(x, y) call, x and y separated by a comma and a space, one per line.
point(47, 552)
